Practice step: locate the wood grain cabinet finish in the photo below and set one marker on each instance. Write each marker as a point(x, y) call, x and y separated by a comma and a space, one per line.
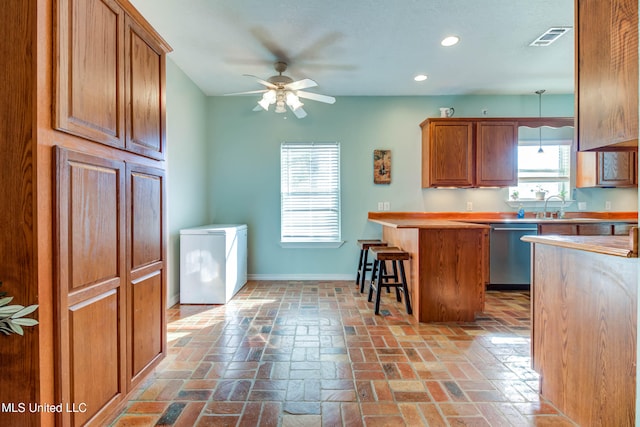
point(447, 154)
point(146, 269)
point(588, 229)
point(469, 153)
point(89, 70)
point(144, 65)
point(607, 169)
point(606, 74)
point(496, 154)
point(83, 217)
point(90, 307)
point(583, 339)
point(109, 77)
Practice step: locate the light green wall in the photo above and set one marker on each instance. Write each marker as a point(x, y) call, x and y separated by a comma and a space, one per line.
point(245, 174)
point(187, 166)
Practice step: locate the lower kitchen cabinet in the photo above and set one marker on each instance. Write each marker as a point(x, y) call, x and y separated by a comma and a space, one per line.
point(588, 229)
point(110, 278)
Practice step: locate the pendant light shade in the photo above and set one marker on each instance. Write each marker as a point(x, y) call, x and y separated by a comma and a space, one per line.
point(540, 92)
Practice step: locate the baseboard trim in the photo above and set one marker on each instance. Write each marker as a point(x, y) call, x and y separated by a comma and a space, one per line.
point(302, 277)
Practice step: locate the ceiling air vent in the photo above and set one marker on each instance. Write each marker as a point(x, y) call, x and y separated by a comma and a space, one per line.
point(549, 36)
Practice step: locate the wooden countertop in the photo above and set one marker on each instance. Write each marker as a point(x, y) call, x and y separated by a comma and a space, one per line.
point(426, 223)
point(621, 246)
point(505, 217)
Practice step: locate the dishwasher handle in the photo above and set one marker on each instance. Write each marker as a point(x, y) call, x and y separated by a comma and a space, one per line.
point(514, 229)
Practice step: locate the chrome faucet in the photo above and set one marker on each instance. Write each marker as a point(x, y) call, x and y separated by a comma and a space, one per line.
point(561, 211)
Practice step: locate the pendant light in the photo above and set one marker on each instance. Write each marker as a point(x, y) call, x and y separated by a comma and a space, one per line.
point(540, 92)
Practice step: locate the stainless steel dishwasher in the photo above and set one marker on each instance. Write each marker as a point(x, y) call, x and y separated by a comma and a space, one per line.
point(510, 257)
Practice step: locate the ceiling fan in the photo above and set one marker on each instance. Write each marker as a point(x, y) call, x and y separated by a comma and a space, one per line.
point(284, 92)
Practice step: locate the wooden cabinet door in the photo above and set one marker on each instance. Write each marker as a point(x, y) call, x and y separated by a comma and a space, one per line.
point(607, 73)
point(90, 281)
point(89, 76)
point(563, 229)
point(616, 169)
point(448, 154)
point(146, 268)
point(602, 229)
point(496, 154)
point(144, 65)
point(606, 169)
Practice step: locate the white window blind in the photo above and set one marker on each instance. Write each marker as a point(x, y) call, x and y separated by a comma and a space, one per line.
point(310, 191)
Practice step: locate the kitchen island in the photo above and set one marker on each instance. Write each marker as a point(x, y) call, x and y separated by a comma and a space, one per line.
point(448, 265)
point(584, 321)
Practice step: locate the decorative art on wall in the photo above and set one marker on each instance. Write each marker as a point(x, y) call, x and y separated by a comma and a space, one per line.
point(382, 166)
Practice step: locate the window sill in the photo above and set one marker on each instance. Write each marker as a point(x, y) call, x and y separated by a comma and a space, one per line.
point(311, 244)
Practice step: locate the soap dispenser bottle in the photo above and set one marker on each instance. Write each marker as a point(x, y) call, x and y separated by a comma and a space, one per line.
point(520, 211)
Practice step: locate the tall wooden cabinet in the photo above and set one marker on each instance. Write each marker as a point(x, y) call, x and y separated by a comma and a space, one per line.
point(469, 153)
point(82, 125)
point(606, 74)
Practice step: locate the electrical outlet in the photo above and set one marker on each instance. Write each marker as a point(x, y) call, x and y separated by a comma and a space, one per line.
point(485, 111)
point(582, 206)
point(607, 205)
point(387, 206)
point(469, 206)
point(380, 206)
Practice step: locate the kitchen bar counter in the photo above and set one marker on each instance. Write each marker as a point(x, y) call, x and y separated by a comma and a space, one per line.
point(448, 266)
point(623, 246)
point(583, 325)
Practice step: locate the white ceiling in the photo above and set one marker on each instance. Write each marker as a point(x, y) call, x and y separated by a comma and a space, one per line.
point(369, 47)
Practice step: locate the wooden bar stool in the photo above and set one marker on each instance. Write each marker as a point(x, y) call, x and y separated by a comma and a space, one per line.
point(397, 257)
point(363, 263)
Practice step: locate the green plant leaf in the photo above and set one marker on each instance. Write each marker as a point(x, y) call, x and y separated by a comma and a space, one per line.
point(25, 311)
point(5, 301)
point(10, 310)
point(15, 328)
point(25, 322)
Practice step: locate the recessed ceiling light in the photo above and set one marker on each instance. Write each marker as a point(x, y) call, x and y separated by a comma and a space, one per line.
point(420, 78)
point(450, 41)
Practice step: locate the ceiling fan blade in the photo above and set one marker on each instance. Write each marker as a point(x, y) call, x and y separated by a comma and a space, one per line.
point(316, 97)
point(301, 84)
point(246, 93)
point(262, 82)
point(299, 112)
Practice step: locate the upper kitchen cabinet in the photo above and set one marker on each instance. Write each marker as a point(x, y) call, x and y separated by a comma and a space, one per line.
point(109, 76)
point(469, 153)
point(606, 74)
point(496, 154)
point(607, 169)
point(447, 153)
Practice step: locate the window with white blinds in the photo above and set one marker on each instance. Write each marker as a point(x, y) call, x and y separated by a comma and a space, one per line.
point(310, 191)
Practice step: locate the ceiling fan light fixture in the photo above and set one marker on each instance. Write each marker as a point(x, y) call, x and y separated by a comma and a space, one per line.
point(268, 98)
point(280, 107)
point(264, 104)
point(293, 101)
